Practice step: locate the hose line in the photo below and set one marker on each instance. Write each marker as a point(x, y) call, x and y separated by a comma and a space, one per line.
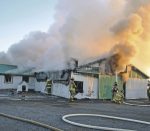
point(30, 121)
point(64, 118)
point(130, 104)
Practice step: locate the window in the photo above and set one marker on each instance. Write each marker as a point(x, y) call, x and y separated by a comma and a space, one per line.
point(25, 78)
point(41, 76)
point(8, 79)
point(79, 85)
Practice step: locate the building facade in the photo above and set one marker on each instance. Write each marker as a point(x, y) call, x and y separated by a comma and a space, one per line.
point(93, 81)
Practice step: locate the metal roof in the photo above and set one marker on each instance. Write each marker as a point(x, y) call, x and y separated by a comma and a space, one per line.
point(20, 71)
point(89, 69)
point(4, 68)
point(138, 70)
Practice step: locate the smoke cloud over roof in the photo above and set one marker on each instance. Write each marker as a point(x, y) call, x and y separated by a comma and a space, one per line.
point(85, 29)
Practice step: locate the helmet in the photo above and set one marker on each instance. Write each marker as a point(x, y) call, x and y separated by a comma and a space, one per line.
point(115, 83)
point(72, 78)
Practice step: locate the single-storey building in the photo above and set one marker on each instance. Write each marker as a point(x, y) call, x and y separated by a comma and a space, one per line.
point(94, 80)
point(13, 78)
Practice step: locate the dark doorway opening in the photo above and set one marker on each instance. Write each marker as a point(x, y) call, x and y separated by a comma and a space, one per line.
point(23, 88)
point(79, 85)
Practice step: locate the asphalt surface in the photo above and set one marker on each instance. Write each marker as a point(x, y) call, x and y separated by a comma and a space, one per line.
point(51, 109)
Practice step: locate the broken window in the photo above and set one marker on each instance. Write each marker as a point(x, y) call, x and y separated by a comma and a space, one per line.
point(8, 79)
point(41, 76)
point(79, 85)
point(25, 78)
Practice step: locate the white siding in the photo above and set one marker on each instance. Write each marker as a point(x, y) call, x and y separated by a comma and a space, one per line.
point(60, 90)
point(136, 89)
point(19, 88)
point(1, 81)
point(40, 86)
point(90, 86)
point(31, 83)
point(15, 82)
point(57, 89)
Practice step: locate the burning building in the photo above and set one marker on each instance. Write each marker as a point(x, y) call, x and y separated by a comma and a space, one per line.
point(122, 34)
point(94, 80)
point(131, 80)
point(13, 78)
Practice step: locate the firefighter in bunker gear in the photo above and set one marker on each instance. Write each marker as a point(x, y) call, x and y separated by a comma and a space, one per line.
point(117, 96)
point(148, 90)
point(114, 89)
point(48, 86)
point(72, 89)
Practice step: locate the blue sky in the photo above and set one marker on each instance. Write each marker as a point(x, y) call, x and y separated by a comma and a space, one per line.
point(20, 17)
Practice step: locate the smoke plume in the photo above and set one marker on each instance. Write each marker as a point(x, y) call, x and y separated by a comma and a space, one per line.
point(84, 29)
point(131, 35)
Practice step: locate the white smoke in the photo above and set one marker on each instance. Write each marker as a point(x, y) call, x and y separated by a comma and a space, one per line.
point(82, 29)
point(79, 28)
point(38, 50)
point(133, 5)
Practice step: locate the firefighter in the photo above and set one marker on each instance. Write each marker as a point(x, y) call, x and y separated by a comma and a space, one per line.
point(114, 89)
point(72, 89)
point(48, 86)
point(148, 90)
point(119, 97)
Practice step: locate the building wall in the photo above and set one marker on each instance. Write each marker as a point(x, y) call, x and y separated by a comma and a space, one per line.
point(134, 74)
point(61, 90)
point(136, 88)
point(16, 80)
point(23, 87)
point(90, 86)
point(31, 83)
point(39, 86)
point(58, 89)
point(106, 83)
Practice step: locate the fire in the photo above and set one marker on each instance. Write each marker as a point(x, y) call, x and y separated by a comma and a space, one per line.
point(133, 38)
point(122, 56)
point(82, 30)
point(148, 71)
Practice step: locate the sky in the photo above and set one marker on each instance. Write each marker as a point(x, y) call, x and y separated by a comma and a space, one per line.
point(19, 17)
point(46, 33)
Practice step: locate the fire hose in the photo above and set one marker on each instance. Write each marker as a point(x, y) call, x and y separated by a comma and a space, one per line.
point(103, 116)
point(135, 104)
point(30, 121)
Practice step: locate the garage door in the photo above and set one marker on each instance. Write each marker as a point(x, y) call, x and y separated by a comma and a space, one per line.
point(105, 86)
point(136, 89)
